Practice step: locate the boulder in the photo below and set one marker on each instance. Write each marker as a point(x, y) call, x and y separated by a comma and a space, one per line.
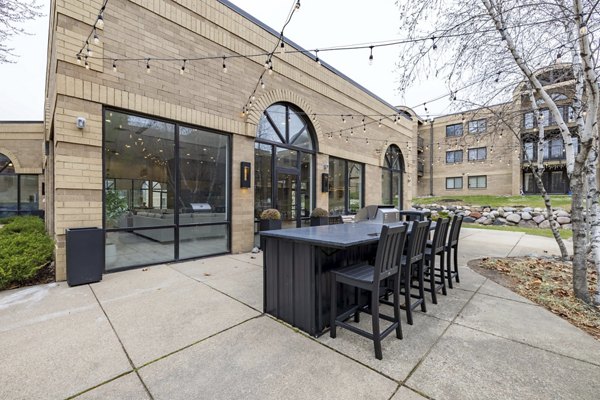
point(467, 213)
point(487, 222)
point(499, 221)
point(467, 207)
point(494, 213)
point(563, 220)
point(527, 209)
point(469, 220)
point(485, 213)
point(481, 220)
point(500, 209)
point(538, 210)
point(563, 213)
point(509, 209)
point(510, 223)
point(526, 215)
point(538, 219)
point(527, 224)
point(514, 218)
point(486, 209)
point(546, 224)
point(475, 214)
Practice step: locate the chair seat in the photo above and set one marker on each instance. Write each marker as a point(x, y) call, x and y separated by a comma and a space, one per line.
point(357, 272)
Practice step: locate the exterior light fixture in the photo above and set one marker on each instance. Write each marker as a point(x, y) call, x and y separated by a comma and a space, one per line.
point(245, 174)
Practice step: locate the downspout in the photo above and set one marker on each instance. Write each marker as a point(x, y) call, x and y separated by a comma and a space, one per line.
point(431, 157)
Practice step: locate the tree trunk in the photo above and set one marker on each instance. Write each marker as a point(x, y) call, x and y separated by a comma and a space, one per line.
point(580, 286)
point(593, 217)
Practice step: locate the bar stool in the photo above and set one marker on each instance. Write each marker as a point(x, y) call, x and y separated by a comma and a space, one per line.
point(452, 245)
point(369, 277)
point(436, 276)
point(411, 268)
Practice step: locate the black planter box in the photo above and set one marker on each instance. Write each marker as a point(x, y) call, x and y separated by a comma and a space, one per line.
point(85, 255)
point(270, 224)
point(318, 221)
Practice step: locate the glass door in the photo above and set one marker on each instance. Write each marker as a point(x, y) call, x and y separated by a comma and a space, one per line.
point(286, 200)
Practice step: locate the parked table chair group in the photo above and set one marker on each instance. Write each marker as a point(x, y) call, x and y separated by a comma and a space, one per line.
point(398, 268)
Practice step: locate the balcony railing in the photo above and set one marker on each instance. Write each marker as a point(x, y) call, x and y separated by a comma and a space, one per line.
point(420, 143)
point(420, 168)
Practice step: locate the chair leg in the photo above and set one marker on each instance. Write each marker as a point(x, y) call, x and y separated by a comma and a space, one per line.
point(422, 286)
point(407, 301)
point(448, 263)
point(375, 319)
point(431, 267)
point(456, 264)
point(397, 306)
point(442, 269)
point(333, 308)
point(357, 299)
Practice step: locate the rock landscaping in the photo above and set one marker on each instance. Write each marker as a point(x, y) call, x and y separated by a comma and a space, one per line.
point(512, 216)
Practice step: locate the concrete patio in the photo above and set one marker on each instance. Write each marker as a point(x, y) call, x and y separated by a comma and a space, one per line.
point(196, 330)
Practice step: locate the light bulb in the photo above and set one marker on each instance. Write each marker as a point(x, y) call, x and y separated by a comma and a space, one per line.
point(100, 22)
point(224, 66)
point(96, 38)
point(182, 70)
point(371, 56)
point(89, 51)
point(262, 84)
point(78, 59)
point(148, 67)
point(282, 47)
point(87, 65)
point(297, 4)
point(114, 66)
point(270, 69)
point(583, 29)
point(267, 64)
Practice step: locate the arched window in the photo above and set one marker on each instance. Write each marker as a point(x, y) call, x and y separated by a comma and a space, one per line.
point(284, 164)
point(18, 192)
point(391, 177)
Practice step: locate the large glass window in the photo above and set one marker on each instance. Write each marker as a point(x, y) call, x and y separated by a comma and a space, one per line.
point(284, 153)
point(393, 169)
point(18, 192)
point(166, 191)
point(345, 186)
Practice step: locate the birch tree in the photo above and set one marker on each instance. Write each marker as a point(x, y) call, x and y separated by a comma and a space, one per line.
point(481, 47)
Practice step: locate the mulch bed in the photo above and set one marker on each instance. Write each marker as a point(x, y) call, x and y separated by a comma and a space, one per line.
point(547, 282)
point(45, 275)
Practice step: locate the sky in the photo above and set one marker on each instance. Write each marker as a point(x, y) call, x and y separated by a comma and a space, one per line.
point(318, 24)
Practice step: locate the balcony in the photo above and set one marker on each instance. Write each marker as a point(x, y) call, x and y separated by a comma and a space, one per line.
point(420, 168)
point(420, 144)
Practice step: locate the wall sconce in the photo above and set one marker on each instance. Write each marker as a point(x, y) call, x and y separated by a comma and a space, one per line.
point(324, 182)
point(245, 177)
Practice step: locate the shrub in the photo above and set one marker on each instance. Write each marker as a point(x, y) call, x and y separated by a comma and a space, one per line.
point(24, 249)
point(319, 212)
point(270, 213)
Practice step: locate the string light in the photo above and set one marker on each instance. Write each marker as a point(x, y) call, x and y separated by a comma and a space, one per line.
point(89, 50)
point(87, 65)
point(96, 38)
point(267, 64)
point(343, 119)
point(100, 20)
point(148, 66)
point(371, 56)
point(262, 84)
point(79, 59)
point(282, 47)
point(182, 70)
point(317, 57)
point(297, 4)
point(271, 69)
point(114, 65)
point(224, 66)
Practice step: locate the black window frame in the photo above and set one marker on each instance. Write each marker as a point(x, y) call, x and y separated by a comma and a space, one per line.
point(347, 183)
point(478, 150)
point(454, 130)
point(478, 123)
point(454, 153)
point(177, 159)
point(477, 177)
point(454, 179)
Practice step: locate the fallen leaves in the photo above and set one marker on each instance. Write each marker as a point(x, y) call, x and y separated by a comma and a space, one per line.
point(548, 282)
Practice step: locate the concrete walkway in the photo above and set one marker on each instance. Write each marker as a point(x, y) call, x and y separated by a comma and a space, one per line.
point(195, 330)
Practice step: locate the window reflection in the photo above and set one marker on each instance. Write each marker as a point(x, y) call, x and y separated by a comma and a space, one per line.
point(154, 187)
point(18, 192)
point(346, 187)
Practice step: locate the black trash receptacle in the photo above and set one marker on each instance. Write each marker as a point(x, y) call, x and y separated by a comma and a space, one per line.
point(85, 255)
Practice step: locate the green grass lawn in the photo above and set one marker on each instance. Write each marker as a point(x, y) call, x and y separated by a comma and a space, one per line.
point(564, 233)
point(558, 201)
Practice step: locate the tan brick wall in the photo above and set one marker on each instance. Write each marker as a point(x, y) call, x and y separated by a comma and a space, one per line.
point(501, 165)
point(203, 96)
point(23, 143)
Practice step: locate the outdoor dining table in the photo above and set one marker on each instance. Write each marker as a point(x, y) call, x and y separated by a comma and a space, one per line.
point(296, 280)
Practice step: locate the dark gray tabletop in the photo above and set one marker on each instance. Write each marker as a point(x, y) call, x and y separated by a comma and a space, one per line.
point(338, 236)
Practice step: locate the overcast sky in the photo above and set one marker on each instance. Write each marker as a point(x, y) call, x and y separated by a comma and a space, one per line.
point(317, 24)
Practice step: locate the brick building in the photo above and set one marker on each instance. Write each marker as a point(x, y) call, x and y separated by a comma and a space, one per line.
point(486, 150)
point(158, 163)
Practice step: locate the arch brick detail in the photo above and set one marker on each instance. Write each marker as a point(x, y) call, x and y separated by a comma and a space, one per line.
point(277, 96)
point(13, 158)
